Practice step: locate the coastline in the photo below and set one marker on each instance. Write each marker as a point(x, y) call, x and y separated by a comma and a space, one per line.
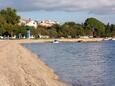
point(21, 67)
point(61, 40)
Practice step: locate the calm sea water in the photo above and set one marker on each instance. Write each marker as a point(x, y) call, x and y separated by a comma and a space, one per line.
point(80, 64)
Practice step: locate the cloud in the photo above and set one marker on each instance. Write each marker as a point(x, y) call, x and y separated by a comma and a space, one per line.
point(91, 6)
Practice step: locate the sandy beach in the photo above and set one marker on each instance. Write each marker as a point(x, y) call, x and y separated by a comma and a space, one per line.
point(61, 40)
point(20, 67)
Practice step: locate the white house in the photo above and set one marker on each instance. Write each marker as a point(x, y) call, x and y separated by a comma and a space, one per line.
point(29, 22)
point(47, 23)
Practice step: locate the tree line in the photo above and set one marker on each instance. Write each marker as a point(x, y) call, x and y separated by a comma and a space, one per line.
point(92, 27)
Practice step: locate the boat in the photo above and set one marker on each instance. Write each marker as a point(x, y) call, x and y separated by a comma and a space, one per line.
point(55, 41)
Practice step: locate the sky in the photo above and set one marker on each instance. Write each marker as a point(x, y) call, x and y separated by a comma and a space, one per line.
point(63, 10)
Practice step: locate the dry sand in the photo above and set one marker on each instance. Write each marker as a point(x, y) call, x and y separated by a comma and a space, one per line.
point(61, 40)
point(20, 67)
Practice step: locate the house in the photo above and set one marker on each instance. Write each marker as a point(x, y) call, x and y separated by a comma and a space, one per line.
point(47, 23)
point(28, 22)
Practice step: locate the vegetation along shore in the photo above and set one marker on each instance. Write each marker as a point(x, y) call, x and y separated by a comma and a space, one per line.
point(12, 26)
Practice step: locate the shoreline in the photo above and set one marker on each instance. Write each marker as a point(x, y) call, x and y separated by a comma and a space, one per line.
point(20, 67)
point(60, 40)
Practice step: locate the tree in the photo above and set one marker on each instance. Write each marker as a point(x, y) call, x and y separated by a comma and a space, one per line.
point(52, 32)
point(88, 31)
point(41, 30)
point(72, 29)
point(1, 31)
point(9, 21)
point(10, 16)
point(35, 32)
point(2, 20)
point(108, 30)
point(79, 30)
point(68, 29)
point(97, 26)
point(112, 28)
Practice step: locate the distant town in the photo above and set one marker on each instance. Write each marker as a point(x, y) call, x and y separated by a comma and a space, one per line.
point(35, 23)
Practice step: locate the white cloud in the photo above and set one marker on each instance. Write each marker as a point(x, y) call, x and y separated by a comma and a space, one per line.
point(92, 6)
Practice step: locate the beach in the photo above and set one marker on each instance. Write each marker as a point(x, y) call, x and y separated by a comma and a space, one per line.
point(60, 40)
point(21, 67)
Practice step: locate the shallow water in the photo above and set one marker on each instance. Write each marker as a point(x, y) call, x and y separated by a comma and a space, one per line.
point(80, 64)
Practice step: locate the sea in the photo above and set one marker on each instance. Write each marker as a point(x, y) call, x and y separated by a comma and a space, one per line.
point(79, 64)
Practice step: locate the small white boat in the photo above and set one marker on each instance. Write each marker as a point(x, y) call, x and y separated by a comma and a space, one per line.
point(55, 41)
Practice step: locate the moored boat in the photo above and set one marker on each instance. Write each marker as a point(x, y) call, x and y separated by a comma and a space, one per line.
point(55, 41)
